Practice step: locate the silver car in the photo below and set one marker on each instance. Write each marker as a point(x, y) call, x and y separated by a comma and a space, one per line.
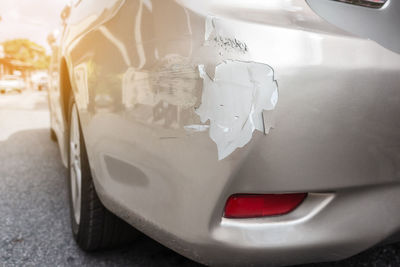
point(234, 132)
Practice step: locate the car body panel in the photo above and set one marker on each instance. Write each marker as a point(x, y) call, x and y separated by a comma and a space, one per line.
point(381, 25)
point(134, 72)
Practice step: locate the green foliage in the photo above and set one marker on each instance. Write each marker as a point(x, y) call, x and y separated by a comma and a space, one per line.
point(28, 52)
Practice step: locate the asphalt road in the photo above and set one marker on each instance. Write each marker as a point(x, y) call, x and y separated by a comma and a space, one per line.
point(34, 220)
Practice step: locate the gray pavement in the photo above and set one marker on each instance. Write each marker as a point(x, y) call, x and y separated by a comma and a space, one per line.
point(34, 220)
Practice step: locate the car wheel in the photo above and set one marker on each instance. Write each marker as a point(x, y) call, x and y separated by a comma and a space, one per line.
point(93, 226)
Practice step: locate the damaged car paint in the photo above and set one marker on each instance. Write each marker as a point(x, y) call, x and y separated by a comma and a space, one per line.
point(214, 37)
point(235, 92)
point(234, 100)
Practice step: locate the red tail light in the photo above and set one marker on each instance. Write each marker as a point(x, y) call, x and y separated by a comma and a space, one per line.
point(250, 206)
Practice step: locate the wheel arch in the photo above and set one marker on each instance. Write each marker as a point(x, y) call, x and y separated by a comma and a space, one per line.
point(65, 89)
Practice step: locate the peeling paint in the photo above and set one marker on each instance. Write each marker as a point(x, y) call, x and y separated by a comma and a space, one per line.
point(214, 36)
point(231, 43)
point(197, 127)
point(234, 100)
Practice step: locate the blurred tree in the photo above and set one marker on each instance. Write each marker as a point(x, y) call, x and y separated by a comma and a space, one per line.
point(27, 52)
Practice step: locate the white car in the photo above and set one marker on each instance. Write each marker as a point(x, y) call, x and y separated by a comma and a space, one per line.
point(12, 83)
point(236, 132)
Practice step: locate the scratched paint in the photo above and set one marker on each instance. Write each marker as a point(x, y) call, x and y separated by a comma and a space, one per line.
point(234, 100)
point(215, 37)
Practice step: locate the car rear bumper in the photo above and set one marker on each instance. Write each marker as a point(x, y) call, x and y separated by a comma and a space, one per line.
point(338, 227)
point(326, 227)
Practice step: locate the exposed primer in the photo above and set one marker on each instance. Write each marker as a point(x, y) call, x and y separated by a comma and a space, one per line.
point(214, 36)
point(234, 100)
point(197, 127)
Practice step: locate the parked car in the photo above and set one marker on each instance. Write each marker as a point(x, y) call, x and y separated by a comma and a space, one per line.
point(233, 132)
point(11, 83)
point(42, 83)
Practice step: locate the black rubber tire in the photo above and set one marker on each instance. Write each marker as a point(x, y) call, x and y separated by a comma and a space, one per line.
point(98, 228)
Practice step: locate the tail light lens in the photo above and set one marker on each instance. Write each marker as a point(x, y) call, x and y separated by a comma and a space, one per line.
point(251, 206)
point(366, 3)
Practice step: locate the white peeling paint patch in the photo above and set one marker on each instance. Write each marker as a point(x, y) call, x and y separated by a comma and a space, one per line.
point(234, 101)
point(196, 127)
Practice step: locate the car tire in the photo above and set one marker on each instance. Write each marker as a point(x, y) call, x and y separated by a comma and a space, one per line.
point(93, 226)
